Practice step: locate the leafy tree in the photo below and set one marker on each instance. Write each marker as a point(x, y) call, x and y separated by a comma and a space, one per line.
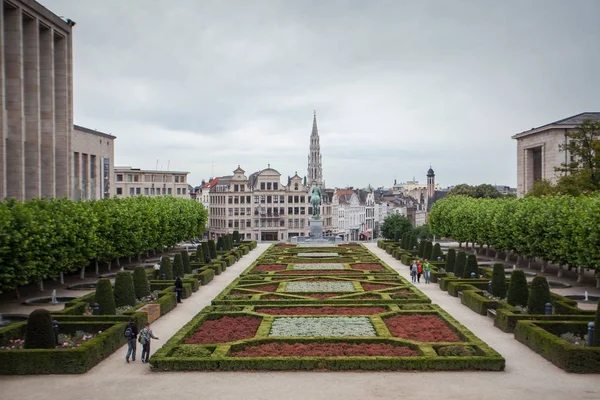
point(450, 260)
point(166, 268)
point(539, 295)
point(518, 292)
point(39, 333)
point(583, 145)
point(395, 223)
point(178, 270)
point(140, 282)
point(471, 267)
point(437, 252)
point(185, 257)
point(499, 281)
point(105, 297)
point(460, 264)
point(423, 232)
point(124, 290)
point(480, 191)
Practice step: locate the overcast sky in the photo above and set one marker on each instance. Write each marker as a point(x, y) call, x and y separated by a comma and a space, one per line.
point(203, 86)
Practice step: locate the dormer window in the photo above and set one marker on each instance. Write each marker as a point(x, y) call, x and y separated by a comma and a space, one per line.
point(295, 186)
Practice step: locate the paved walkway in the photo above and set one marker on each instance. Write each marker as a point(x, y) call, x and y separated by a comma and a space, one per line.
point(528, 376)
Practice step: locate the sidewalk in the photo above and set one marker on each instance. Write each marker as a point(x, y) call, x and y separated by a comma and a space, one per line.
point(527, 376)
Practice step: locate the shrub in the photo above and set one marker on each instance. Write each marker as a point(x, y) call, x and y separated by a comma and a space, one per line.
point(220, 244)
point(437, 252)
point(236, 237)
point(229, 241)
point(178, 266)
point(421, 248)
point(212, 249)
point(205, 250)
point(498, 281)
point(166, 268)
point(428, 250)
point(518, 292)
point(457, 351)
point(459, 263)
point(450, 260)
point(105, 297)
point(199, 253)
point(405, 240)
point(539, 295)
point(39, 333)
point(124, 290)
point(597, 326)
point(471, 267)
point(140, 282)
point(185, 258)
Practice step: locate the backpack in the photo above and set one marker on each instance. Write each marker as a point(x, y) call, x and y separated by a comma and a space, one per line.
point(128, 332)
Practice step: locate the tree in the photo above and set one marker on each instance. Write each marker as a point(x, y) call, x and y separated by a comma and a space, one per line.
point(178, 266)
point(205, 251)
point(480, 191)
point(423, 232)
point(422, 245)
point(395, 224)
point(38, 332)
point(185, 257)
point(499, 281)
point(414, 242)
point(428, 250)
point(105, 297)
point(518, 292)
point(140, 282)
point(437, 252)
point(450, 260)
point(212, 249)
point(459, 264)
point(199, 253)
point(124, 290)
point(166, 269)
point(471, 267)
point(220, 244)
point(539, 295)
point(597, 326)
point(236, 237)
point(583, 145)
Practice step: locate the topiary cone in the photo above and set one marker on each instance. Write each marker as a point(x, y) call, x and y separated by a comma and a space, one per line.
point(178, 266)
point(437, 252)
point(499, 281)
point(459, 264)
point(105, 297)
point(166, 268)
point(539, 295)
point(185, 257)
point(212, 249)
point(428, 250)
point(39, 333)
point(450, 260)
point(518, 292)
point(205, 250)
point(199, 253)
point(421, 248)
point(220, 244)
point(471, 266)
point(140, 282)
point(124, 290)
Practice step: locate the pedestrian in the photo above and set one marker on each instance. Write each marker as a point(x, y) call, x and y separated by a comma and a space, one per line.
point(427, 271)
point(413, 271)
point(145, 337)
point(178, 288)
point(130, 333)
point(419, 271)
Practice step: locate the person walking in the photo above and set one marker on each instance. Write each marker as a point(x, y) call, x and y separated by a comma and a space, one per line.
point(413, 271)
point(419, 272)
point(145, 336)
point(131, 333)
point(178, 288)
point(427, 271)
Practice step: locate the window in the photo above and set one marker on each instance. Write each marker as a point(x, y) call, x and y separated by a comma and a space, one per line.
point(296, 210)
point(262, 199)
point(290, 199)
point(275, 185)
point(176, 179)
point(131, 191)
point(236, 200)
point(282, 223)
point(119, 177)
point(119, 190)
point(183, 190)
point(248, 211)
point(236, 211)
point(165, 191)
point(290, 210)
point(230, 200)
point(282, 210)
point(242, 187)
point(301, 199)
point(248, 199)
point(138, 190)
point(269, 199)
point(230, 212)
point(236, 224)
point(170, 190)
point(152, 191)
point(268, 185)
point(262, 186)
point(302, 210)
point(129, 178)
point(242, 198)
point(178, 190)
point(242, 211)
point(136, 178)
point(296, 199)
point(295, 186)
point(537, 163)
point(146, 191)
point(282, 199)
point(248, 224)
point(230, 224)
point(236, 188)
point(275, 199)
point(255, 199)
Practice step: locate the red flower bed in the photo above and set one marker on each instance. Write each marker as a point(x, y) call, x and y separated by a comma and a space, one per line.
point(367, 267)
point(274, 297)
point(374, 286)
point(403, 293)
point(367, 297)
point(225, 329)
point(324, 350)
point(318, 272)
point(322, 310)
point(265, 288)
point(422, 328)
point(269, 267)
point(324, 295)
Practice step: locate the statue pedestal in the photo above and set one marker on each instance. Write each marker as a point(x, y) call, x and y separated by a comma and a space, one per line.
point(316, 227)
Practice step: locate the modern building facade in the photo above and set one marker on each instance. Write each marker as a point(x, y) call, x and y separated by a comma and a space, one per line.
point(93, 156)
point(539, 152)
point(138, 182)
point(36, 82)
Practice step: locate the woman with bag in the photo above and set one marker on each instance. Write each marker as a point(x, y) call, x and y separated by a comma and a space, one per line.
point(144, 339)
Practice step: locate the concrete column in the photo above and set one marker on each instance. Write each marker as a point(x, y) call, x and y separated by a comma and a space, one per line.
point(13, 55)
point(76, 195)
point(47, 173)
point(2, 111)
point(31, 93)
point(61, 116)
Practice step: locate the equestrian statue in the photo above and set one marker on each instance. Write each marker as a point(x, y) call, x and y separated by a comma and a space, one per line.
point(315, 201)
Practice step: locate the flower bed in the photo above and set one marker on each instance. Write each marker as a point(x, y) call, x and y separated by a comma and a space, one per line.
point(318, 255)
point(317, 266)
point(269, 267)
point(327, 310)
point(322, 327)
point(225, 329)
point(324, 350)
point(320, 287)
point(374, 286)
point(422, 328)
point(368, 267)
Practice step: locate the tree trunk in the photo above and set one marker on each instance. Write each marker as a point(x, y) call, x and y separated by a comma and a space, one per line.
point(118, 262)
point(41, 285)
point(544, 266)
point(139, 258)
point(529, 262)
point(62, 278)
point(560, 271)
point(580, 274)
point(129, 259)
point(82, 275)
point(459, 245)
point(18, 295)
point(109, 264)
point(97, 266)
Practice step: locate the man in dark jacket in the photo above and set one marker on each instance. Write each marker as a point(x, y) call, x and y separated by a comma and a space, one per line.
point(178, 288)
point(131, 333)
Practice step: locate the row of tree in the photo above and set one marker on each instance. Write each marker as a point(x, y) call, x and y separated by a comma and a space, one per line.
point(42, 239)
point(564, 230)
point(396, 225)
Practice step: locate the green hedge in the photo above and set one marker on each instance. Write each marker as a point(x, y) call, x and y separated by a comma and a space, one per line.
point(204, 277)
point(168, 285)
point(542, 337)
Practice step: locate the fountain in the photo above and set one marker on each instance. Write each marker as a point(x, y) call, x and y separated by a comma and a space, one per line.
point(54, 301)
point(585, 294)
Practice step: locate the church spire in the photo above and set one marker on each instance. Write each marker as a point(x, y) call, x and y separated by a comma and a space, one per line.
point(315, 171)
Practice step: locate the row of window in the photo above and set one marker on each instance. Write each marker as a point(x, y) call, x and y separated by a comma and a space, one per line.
point(151, 191)
point(150, 178)
point(269, 186)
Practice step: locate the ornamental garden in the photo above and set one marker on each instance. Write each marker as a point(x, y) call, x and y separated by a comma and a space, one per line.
point(323, 308)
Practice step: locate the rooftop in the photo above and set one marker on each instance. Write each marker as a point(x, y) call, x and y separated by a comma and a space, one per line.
point(569, 122)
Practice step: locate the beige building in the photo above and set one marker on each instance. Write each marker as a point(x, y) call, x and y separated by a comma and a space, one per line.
point(139, 182)
point(538, 152)
point(36, 82)
point(259, 206)
point(93, 164)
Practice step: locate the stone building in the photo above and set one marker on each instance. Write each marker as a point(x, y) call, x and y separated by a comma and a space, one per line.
point(135, 182)
point(538, 151)
point(36, 82)
point(93, 156)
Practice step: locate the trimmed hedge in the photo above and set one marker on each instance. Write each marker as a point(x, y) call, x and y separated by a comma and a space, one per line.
point(166, 268)
point(539, 295)
point(178, 269)
point(39, 333)
point(204, 277)
point(518, 292)
point(460, 264)
point(450, 260)
point(185, 258)
point(124, 290)
point(105, 297)
point(471, 267)
point(212, 249)
point(499, 281)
